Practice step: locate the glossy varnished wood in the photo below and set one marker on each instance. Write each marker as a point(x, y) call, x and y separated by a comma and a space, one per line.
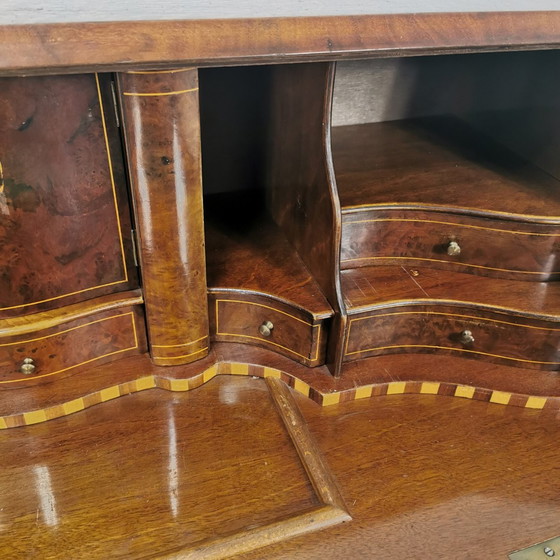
point(162, 128)
point(436, 477)
point(71, 347)
point(223, 476)
point(467, 474)
point(397, 309)
point(255, 276)
point(370, 377)
point(299, 179)
point(247, 252)
point(65, 227)
point(438, 163)
point(307, 36)
point(501, 248)
point(377, 287)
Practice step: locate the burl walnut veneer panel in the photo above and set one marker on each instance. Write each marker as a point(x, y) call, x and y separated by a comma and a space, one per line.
point(64, 227)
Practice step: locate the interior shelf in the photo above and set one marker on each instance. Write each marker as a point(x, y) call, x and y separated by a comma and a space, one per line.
point(247, 252)
point(375, 286)
point(438, 163)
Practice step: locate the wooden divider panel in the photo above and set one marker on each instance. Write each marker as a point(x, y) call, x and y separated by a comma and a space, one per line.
point(162, 130)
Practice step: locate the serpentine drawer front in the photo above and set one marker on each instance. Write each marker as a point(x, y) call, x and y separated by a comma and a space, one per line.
point(489, 247)
point(91, 341)
point(494, 336)
point(270, 325)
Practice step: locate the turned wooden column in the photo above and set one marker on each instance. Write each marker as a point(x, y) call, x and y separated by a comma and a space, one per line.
point(162, 132)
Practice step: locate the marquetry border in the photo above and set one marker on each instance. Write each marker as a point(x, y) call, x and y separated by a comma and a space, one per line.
point(533, 402)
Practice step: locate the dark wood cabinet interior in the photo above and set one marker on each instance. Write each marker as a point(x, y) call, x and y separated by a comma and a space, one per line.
point(325, 216)
point(397, 189)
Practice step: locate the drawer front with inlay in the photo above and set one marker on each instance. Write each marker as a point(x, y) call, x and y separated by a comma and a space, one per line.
point(269, 325)
point(66, 348)
point(499, 248)
point(492, 336)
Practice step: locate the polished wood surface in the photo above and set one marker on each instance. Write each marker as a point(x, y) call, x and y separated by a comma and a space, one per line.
point(255, 276)
point(501, 248)
point(456, 330)
point(244, 317)
point(438, 163)
point(217, 466)
point(65, 227)
point(370, 377)
point(301, 194)
point(377, 287)
point(223, 474)
point(433, 477)
point(165, 169)
point(72, 346)
point(70, 47)
point(247, 252)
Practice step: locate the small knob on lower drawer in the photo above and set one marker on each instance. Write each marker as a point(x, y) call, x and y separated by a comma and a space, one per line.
point(453, 249)
point(28, 366)
point(466, 337)
point(266, 328)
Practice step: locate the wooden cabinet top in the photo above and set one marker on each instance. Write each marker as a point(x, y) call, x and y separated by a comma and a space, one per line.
point(80, 35)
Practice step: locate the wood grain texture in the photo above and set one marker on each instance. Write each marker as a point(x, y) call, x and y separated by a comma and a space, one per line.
point(438, 329)
point(438, 164)
point(162, 131)
point(65, 228)
point(439, 478)
point(247, 252)
point(204, 469)
point(72, 346)
point(501, 248)
point(372, 377)
point(113, 46)
point(301, 193)
point(386, 287)
point(238, 317)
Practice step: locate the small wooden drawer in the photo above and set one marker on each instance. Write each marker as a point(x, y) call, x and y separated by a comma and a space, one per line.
point(270, 325)
point(488, 247)
point(82, 343)
point(492, 336)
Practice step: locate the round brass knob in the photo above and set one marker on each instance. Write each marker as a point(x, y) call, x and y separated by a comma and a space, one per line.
point(453, 249)
point(28, 366)
point(266, 328)
point(466, 337)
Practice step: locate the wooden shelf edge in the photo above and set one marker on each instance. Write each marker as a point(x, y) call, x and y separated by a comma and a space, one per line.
point(325, 392)
point(17, 326)
point(78, 47)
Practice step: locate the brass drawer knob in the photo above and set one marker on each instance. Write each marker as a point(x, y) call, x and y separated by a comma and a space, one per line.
point(453, 249)
point(266, 328)
point(28, 366)
point(466, 337)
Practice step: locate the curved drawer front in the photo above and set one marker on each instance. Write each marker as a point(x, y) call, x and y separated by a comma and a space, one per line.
point(268, 324)
point(489, 247)
point(492, 336)
point(82, 343)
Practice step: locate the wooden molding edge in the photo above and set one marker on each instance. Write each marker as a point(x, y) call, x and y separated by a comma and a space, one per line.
point(322, 398)
point(159, 45)
point(258, 537)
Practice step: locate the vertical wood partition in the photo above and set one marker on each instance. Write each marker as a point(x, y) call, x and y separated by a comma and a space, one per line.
point(302, 195)
point(162, 133)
